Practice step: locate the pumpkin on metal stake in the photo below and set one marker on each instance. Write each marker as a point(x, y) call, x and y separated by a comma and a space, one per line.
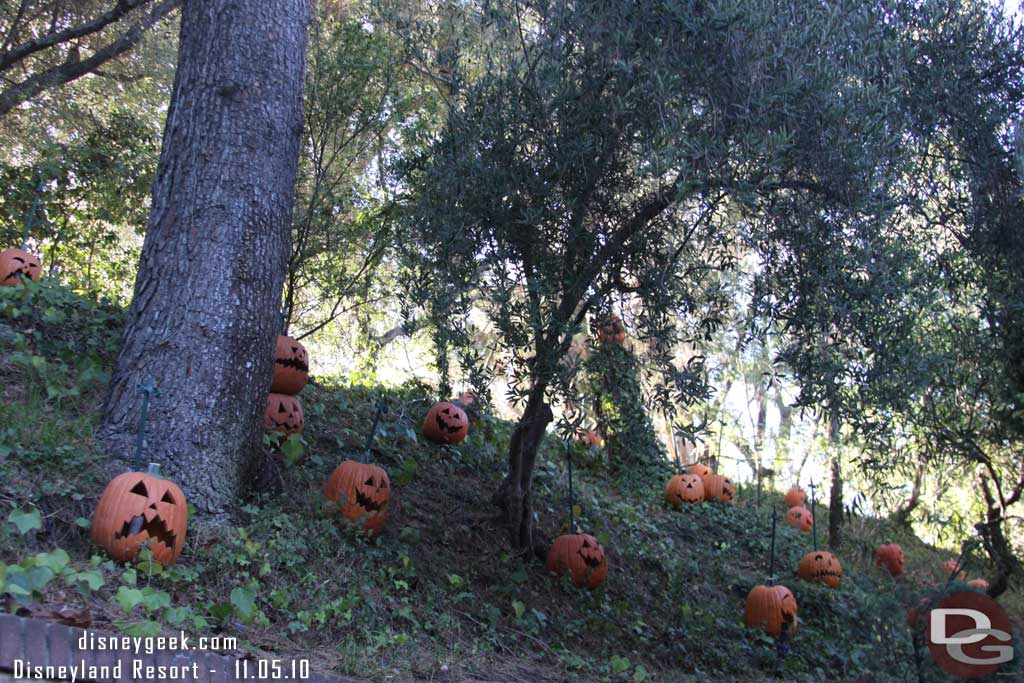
point(360, 491)
point(819, 566)
point(771, 608)
point(579, 556)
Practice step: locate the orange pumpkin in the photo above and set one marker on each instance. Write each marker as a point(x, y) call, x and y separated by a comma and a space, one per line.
point(291, 366)
point(446, 423)
point(821, 567)
point(795, 497)
point(611, 330)
point(768, 607)
point(978, 583)
point(140, 508)
point(362, 493)
point(590, 437)
point(684, 488)
point(953, 567)
point(800, 518)
point(581, 557)
point(16, 265)
point(698, 469)
point(718, 488)
point(283, 414)
point(891, 557)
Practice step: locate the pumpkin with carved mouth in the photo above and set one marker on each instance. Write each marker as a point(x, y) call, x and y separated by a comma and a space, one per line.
point(890, 556)
point(821, 567)
point(16, 265)
point(139, 509)
point(291, 366)
point(579, 556)
point(700, 470)
point(684, 488)
point(718, 489)
point(800, 518)
point(795, 497)
point(283, 415)
point(611, 330)
point(361, 492)
point(446, 423)
point(768, 607)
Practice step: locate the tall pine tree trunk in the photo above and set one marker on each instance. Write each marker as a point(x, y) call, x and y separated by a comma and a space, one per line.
point(204, 315)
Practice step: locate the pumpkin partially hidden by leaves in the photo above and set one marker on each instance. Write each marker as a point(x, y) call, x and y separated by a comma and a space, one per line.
point(581, 557)
point(800, 518)
point(684, 488)
point(821, 567)
point(891, 557)
point(291, 366)
point(795, 497)
point(141, 509)
point(590, 437)
point(283, 414)
point(698, 469)
point(718, 488)
point(978, 583)
point(611, 330)
point(953, 567)
point(362, 493)
point(16, 265)
point(446, 423)
point(768, 607)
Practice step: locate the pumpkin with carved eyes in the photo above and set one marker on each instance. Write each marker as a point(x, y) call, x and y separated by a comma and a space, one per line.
point(684, 488)
point(800, 518)
point(446, 423)
point(139, 509)
point(291, 366)
point(16, 265)
point(718, 489)
point(283, 414)
point(362, 493)
point(768, 607)
point(821, 567)
point(698, 469)
point(891, 557)
point(795, 497)
point(611, 330)
point(581, 557)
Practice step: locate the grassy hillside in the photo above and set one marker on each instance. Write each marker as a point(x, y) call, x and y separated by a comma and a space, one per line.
point(437, 596)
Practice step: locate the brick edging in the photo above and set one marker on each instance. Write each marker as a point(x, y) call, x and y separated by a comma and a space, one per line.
point(41, 643)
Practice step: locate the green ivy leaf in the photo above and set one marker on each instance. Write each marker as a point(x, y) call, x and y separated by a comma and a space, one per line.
point(244, 601)
point(25, 520)
point(128, 598)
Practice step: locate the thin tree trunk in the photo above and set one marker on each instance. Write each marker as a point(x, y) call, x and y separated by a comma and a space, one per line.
point(835, 499)
point(902, 516)
point(994, 539)
point(203, 319)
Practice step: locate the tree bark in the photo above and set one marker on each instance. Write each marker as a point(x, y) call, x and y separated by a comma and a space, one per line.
point(835, 498)
point(514, 495)
point(203, 319)
point(994, 539)
point(902, 516)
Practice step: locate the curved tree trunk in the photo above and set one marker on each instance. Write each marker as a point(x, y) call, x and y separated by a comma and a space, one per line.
point(203, 319)
point(835, 498)
point(514, 494)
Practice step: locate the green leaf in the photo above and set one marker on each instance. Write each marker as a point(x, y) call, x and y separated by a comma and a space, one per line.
point(142, 629)
point(55, 560)
point(153, 599)
point(25, 520)
point(639, 674)
point(292, 449)
point(620, 665)
point(519, 608)
point(128, 598)
point(83, 522)
point(244, 601)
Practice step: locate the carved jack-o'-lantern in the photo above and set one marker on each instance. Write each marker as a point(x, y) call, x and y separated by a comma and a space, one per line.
point(821, 567)
point(700, 470)
point(283, 414)
point(16, 265)
point(718, 489)
point(446, 423)
point(891, 557)
point(139, 509)
point(291, 366)
point(800, 518)
point(362, 493)
point(768, 607)
point(795, 497)
point(684, 488)
point(611, 330)
point(581, 557)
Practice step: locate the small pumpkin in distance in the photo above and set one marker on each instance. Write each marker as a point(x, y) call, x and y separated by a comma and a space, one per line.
point(361, 492)
point(978, 583)
point(699, 469)
point(684, 488)
point(800, 518)
point(283, 414)
point(795, 497)
point(16, 265)
point(291, 366)
point(580, 557)
point(951, 567)
point(446, 423)
point(591, 437)
point(138, 509)
point(611, 330)
point(768, 607)
point(890, 556)
point(820, 566)
point(718, 488)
